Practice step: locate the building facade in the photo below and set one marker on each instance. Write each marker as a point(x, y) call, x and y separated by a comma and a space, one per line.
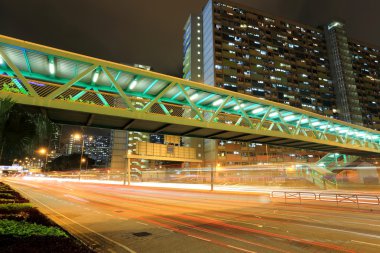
point(318, 69)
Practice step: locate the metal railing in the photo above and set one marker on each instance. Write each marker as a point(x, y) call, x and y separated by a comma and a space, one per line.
point(338, 198)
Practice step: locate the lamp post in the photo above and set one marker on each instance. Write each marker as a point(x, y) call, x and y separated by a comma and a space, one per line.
point(44, 151)
point(78, 137)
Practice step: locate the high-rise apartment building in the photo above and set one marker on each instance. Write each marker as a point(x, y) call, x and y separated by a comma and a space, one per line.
point(318, 69)
point(366, 68)
point(256, 54)
point(192, 49)
point(96, 147)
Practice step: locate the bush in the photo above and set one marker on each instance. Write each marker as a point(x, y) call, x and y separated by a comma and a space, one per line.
point(25, 229)
point(14, 208)
point(6, 195)
point(5, 201)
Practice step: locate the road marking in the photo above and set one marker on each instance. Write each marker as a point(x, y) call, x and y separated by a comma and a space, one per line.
point(109, 214)
point(89, 229)
point(245, 250)
point(343, 230)
point(368, 243)
point(200, 238)
point(75, 197)
point(142, 223)
point(166, 229)
point(235, 221)
point(373, 225)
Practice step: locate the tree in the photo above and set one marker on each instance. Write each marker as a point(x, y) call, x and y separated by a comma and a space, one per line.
point(44, 129)
point(6, 105)
point(17, 134)
point(22, 132)
point(70, 162)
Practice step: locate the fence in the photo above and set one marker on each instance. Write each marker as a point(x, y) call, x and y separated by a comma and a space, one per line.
point(338, 198)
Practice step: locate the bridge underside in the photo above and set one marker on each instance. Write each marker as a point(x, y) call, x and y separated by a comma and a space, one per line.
point(131, 124)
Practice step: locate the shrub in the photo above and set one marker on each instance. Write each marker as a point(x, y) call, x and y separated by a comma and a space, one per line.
point(5, 201)
point(6, 195)
point(25, 229)
point(14, 208)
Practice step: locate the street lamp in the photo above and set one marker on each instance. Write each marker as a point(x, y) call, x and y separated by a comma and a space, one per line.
point(78, 136)
point(84, 160)
point(44, 151)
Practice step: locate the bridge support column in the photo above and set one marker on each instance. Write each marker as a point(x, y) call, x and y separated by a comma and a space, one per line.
point(127, 172)
point(212, 177)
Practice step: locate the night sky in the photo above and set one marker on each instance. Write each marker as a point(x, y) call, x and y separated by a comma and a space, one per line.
point(150, 31)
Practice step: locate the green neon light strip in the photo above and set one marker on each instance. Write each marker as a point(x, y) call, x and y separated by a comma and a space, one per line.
point(179, 93)
point(150, 86)
point(100, 96)
point(27, 60)
point(205, 98)
point(18, 84)
point(117, 75)
point(80, 94)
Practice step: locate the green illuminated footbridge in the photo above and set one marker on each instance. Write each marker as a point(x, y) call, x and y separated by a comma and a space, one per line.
point(76, 89)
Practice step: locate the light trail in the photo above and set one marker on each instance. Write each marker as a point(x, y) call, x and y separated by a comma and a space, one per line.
point(182, 210)
point(215, 222)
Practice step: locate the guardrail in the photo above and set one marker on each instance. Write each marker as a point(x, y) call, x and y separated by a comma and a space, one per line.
point(338, 198)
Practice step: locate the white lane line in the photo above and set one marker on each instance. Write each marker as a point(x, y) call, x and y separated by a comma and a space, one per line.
point(245, 250)
point(368, 243)
point(373, 225)
point(165, 229)
point(200, 238)
point(75, 197)
point(142, 223)
point(236, 221)
point(89, 229)
point(109, 214)
point(343, 230)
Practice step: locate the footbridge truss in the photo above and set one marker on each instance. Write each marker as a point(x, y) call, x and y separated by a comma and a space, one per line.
point(77, 89)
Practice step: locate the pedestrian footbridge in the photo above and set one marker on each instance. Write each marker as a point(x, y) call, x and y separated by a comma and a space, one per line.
point(77, 89)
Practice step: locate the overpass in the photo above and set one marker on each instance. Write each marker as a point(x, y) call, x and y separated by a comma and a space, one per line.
point(77, 89)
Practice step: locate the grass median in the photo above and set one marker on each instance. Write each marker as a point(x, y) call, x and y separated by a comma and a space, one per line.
point(24, 229)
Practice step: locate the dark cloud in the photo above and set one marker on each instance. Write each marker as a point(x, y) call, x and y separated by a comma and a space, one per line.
point(150, 32)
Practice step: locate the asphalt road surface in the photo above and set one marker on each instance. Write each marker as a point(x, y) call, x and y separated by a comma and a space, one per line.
point(115, 218)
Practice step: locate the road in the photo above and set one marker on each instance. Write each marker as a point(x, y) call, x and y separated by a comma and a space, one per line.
point(115, 218)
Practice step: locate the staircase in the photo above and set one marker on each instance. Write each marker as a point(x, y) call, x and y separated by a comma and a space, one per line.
point(333, 161)
point(322, 172)
point(320, 177)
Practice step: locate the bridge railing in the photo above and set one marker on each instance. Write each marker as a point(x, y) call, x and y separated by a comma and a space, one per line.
point(338, 198)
